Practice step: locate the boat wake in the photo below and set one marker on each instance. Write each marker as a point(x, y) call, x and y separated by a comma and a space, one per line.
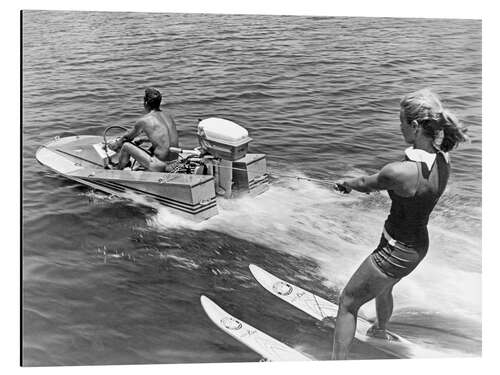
point(337, 232)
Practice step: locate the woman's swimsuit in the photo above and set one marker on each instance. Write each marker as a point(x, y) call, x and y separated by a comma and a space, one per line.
point(405, 239)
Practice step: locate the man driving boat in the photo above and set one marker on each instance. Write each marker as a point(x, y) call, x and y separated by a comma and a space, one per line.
point(159, 129)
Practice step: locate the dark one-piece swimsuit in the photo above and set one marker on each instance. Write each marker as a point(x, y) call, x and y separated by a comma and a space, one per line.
point(405, 239)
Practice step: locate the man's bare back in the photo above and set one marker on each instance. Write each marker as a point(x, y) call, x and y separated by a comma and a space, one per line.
point(160, 128)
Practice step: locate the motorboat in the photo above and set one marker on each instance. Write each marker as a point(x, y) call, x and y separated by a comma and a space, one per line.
point(220, 168)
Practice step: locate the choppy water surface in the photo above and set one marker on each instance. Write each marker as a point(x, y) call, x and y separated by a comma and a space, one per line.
point(109, 281)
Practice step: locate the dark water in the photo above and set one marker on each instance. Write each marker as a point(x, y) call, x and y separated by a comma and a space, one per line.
point(110, 281)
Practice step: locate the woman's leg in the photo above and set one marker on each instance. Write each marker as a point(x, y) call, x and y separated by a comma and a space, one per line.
point(384, 305)
point(365, 284)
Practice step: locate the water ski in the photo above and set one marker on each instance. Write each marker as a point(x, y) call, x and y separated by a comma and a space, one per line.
point(268, 347)
point(323, 310)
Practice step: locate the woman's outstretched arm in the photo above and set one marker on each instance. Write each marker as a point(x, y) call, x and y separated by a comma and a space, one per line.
point(393, 176)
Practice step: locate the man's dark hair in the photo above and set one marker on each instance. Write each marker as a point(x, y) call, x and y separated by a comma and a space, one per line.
point(152, 97)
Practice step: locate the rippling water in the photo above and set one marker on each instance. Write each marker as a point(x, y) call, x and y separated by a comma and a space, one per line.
point(110, 281)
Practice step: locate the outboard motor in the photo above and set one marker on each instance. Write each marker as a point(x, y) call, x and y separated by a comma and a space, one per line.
point(223, 138)
point(232, 166)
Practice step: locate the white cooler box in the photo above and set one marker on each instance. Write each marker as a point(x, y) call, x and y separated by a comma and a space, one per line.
point(223, 138)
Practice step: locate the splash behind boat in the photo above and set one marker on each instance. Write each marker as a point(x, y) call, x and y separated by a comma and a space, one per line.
point(220, 168)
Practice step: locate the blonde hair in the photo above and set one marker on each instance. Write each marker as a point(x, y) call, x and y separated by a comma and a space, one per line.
point(426, 108)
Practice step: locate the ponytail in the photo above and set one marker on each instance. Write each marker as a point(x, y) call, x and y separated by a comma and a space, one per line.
point(426, 108)
point(454, 132)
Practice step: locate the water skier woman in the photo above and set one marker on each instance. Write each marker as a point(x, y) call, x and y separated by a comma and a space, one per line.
point(414, 186)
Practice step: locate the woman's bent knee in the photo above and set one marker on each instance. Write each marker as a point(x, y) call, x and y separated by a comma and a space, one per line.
point(348, 303)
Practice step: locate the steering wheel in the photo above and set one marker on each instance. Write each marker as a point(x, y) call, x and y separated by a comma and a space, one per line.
point(104, 135)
